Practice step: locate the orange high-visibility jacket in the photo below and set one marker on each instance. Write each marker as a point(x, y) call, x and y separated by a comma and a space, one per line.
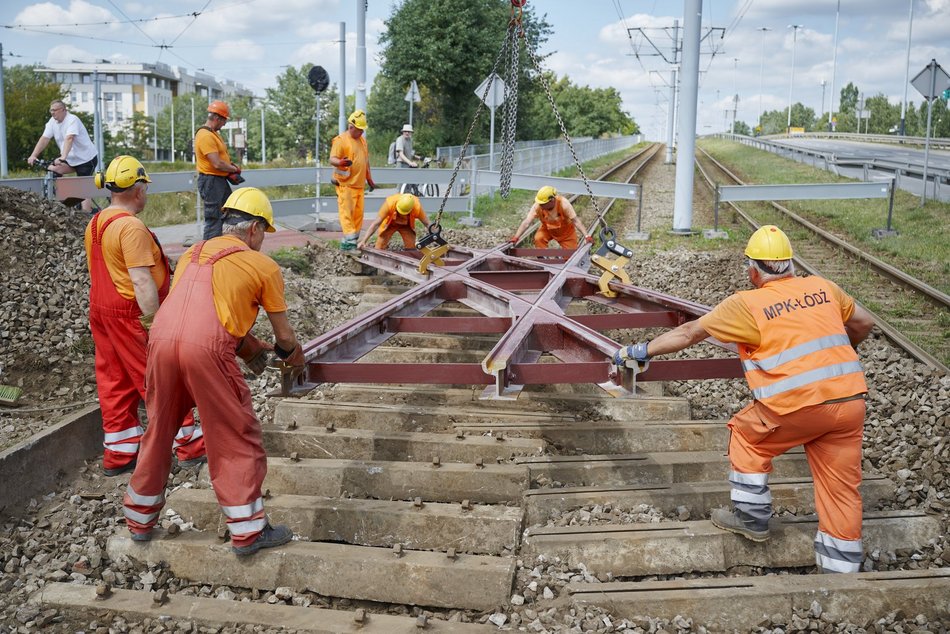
point(393, 217)
point(804, 357)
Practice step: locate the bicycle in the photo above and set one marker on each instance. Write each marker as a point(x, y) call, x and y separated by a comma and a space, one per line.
point(49, 177)
point(429, 190)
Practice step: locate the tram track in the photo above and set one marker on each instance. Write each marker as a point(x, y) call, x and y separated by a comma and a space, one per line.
point(910, 312)
point(428, 509)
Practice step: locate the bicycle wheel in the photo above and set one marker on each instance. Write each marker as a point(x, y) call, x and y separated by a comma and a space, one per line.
point(404, 188)
point(431, 190)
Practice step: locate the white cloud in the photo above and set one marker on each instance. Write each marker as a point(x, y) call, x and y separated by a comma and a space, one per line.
point(245, 50)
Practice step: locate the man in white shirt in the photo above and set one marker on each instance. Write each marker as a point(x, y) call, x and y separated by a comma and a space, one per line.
point(77, 153)
point(404, 153)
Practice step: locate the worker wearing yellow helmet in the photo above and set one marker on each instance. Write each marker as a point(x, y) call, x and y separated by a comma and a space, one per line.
point(398, 213)
point(797, 340)
point(559, 221)
point(349, 157)
point(129, 277)
point(198, 334)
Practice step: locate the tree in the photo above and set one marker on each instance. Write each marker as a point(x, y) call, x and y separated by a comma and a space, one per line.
point(290, 116)
point(450, 65)
point(742, 127)
point(849, 98)
point(133, 138)
point(27, 95)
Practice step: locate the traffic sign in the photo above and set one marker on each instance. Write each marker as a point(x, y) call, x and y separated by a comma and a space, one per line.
point(496, 93)
point(931, 81)
point(413, 93)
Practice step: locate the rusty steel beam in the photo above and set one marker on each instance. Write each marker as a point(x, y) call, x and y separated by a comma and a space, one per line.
point(522, 299)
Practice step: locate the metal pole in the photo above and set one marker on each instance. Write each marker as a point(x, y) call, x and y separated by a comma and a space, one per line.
point(890, 204)
point(794, 28)
point(341, 119)
point(173, 129)
point(683, 204)
point(823, 82)
point(316, 206)
point(3, 123)
point(762, 29)
point(669, 115)
point(491, 141)
point(193, 130)
point(97, 117)
point(155, 137)
point(834, 68)
point(910, 26)
point(361, 55)
point(735, 94)
point(410, 112)
point(930, 111)
point(263, 136)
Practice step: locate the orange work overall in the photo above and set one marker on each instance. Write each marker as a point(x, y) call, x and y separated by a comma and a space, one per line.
point(559, 228)
point(191, 362)
point(120, 361)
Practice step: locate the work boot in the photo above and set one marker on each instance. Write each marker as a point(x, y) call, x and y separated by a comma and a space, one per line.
point(731, 521)
point(142, 537)
point(271, 536)
point(120, 470)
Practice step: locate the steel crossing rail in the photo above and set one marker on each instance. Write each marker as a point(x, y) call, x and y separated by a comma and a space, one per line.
point(522, 299)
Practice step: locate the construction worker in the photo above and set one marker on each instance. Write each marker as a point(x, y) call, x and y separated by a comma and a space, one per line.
point(399, 212)
point(350, 158)
point(796, 338)
point(129, 277)
point(558, 221)
point(216, 172)
point(205, 324)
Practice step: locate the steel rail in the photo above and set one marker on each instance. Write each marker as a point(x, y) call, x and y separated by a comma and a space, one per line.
point(883, 269)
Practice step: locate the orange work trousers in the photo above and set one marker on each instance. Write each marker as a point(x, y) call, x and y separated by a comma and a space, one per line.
point(566, 238)
point(350, 203)
point(407, 234)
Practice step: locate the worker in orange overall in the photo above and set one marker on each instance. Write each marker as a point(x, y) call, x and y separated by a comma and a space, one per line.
point(399, 212)
point(349, 157)
point(129, 276)
point(200, 331)
point(558, 221)
point(796, 338)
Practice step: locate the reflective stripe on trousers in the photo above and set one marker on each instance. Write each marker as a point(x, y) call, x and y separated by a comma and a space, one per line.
point(751, 495)
point(838, 555)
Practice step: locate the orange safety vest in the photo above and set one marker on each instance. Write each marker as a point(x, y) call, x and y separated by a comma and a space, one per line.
point(392, 218)
point(556, 220)
point(804, 357)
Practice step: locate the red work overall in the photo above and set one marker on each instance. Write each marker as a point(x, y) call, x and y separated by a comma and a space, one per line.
point(191, 362)
point(120, 361)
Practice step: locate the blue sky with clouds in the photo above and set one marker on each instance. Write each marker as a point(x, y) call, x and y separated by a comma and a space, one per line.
point(594, 42)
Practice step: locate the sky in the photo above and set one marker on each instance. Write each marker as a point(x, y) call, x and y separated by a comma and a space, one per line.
point(600, 43)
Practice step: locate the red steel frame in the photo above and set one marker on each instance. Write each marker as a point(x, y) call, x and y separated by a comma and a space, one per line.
point(522, 299)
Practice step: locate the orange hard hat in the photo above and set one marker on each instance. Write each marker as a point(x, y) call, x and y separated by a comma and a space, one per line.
point(220, 108)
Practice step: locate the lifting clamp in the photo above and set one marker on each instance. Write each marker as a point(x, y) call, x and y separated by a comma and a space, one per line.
point(612, 267)
point(433, 246)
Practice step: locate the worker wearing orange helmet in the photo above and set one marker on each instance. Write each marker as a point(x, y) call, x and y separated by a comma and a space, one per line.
point(398, 213)
point(558, 221)
point(198, 334)
point(129, 276)
point(216, 172)
point(797, 339)
point(349, 157)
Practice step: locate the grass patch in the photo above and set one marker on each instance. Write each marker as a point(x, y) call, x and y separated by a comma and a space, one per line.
point(921, 248)
point(293, 258)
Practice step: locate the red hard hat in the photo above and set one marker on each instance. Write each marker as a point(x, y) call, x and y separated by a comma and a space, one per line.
point(220, 108)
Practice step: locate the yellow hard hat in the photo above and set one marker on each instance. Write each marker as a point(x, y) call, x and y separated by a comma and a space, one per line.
point(358, 119)
point(220, 108)
point(769, 243)
point(253, 202)
point(545, 194)
point(405, 204)
point(123, 172)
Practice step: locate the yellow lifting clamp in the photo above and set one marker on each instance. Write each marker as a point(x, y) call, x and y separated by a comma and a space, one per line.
point(613, 267)
point(433, 246)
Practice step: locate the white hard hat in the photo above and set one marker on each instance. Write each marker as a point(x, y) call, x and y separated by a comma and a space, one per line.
point(407, 128)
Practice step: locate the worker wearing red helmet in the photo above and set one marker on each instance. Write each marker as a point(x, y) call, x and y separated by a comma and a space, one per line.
point(559, 221)
point(216, 172)
point(398, 213)
point(796, 338)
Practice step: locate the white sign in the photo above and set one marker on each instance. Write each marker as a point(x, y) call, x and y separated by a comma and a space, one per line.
point(496, 93)
point(931, 81)
point(413, 93)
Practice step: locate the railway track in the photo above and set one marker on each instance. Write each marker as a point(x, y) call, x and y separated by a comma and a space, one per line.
point(429, 509)
point(913, 314)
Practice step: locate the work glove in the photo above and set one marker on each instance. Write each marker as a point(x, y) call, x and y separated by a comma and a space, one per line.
point(235, 177)
point(146, 321)
point(634, 354)
point(514, 239)
point(255, 353)
point(291, 364)
point(589, 239)
point(345, 162)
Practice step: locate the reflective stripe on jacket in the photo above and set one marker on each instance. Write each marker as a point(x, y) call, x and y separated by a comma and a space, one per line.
point(804, 357)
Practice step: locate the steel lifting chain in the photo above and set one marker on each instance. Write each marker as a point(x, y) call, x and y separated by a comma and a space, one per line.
point(567, 137)
point(509, 113)
point(513, 26)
